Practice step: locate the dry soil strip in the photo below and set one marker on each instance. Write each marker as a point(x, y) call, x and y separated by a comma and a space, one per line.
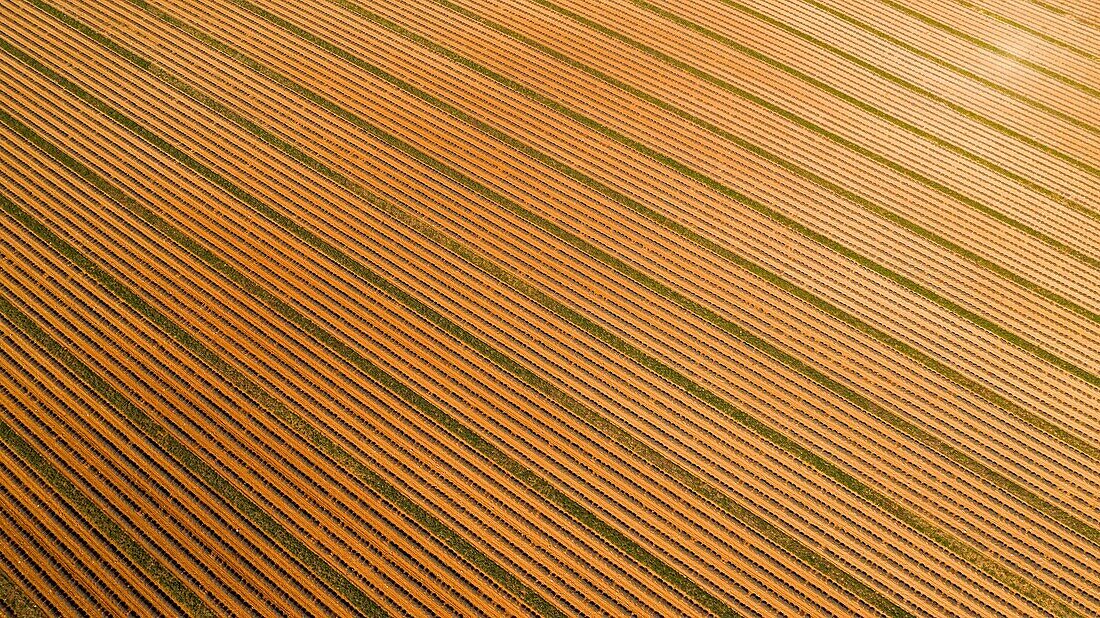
point(597, 421)
point(710, 127)
point(956, 68)
point(866, 107)
point(740, 142)
point(638, 276)
point(807, 124)
point(897, 42)
point(1025, 28)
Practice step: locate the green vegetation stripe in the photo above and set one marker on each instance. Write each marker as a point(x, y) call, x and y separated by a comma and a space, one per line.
point(991, 567)
point(1025, 28)
point(973, 40)
point(486, 448)
point(974, 385)
point(640, 277)
point(173, 586)
point(825, 87)
point(1052, 8)
point(194, 464)
point(884, 74)
point(1081, 20)
point(12, 597)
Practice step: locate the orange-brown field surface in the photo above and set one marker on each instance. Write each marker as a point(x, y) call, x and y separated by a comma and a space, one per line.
point(550, 307)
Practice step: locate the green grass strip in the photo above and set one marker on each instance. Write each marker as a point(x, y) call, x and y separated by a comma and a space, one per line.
point(194, 464)
point(651, 283)
point(479, 444)
point(13, 599)
point(977, 387)
point(825, 87)
point(973, 40)
point(805, 173)
point(173, 586)
point(1004, 575)
point(884, 74)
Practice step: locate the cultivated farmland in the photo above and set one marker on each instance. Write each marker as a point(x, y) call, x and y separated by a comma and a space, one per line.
point(550, 307)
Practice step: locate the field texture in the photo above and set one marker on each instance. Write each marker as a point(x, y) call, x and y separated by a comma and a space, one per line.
point(550, 307)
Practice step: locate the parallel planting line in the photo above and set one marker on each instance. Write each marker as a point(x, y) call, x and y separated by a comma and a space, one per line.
point(894, 79)
point(1002, 574)
point(125, 478)
point(975, 386)
point(370, 522)
point(323, 443)
point(325, 572)
point(742, 143)
point(254, 391)
point(594, 419)
point(360, 521)
point(173, 587)
point(71, 566)
point(807, 124)
point(638, 276)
